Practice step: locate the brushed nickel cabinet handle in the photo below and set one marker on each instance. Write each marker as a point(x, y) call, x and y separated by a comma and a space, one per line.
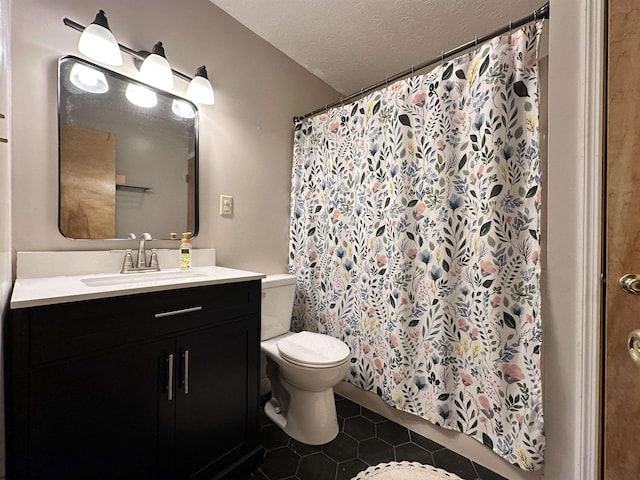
point(185, 357)
point(170, 379)
point(177, 312)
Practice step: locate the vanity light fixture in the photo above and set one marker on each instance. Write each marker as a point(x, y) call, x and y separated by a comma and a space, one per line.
point(200, 89)
point(97, 42)
point(155, 70)
point(88, 79)
point(141, 96)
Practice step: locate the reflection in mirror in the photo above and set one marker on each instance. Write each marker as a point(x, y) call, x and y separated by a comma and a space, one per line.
point(128, 156)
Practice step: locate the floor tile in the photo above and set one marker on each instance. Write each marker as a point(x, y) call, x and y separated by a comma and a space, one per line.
point(371, 415)
point(486, 474)
point(317, 467)
point(280, 463)
point(303, 449)
point(365, 438)
point(359, 428)
point(374, 451)
point(410, 452)
point(454, 463)
point(272, 437)
point(424, 442)
point(342, 448)
point(392, 433)
point(348, 470)
point(345, 408)
point(257, 475)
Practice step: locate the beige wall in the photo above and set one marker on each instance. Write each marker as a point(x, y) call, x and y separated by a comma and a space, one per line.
point(5, 162)
point(245, 138)
point(5, 199)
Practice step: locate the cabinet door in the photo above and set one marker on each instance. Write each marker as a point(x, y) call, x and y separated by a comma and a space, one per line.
point(217, 395)
point(97, 416)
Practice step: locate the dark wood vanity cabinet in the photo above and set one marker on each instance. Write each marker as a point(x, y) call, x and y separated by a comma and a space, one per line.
point(159, 385)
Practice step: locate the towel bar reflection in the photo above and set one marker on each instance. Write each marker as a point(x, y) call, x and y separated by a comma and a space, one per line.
point(121, 186)
point(2, 139)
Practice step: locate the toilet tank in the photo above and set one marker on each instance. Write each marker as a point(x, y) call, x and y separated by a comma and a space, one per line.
point(278, 292)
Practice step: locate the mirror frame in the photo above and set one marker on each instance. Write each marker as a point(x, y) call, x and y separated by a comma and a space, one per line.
point(170, 96)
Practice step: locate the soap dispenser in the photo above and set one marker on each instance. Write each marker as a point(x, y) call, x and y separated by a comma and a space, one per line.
point(185, 251)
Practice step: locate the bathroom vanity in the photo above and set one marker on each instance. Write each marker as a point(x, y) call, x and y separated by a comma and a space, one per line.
point(152, 379)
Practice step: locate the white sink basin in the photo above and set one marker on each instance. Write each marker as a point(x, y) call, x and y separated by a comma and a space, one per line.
point(129, 278)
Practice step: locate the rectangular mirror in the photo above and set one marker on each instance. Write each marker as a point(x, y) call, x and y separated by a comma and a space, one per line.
point(128, 156)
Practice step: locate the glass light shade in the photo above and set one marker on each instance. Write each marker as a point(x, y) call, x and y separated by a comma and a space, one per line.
point(98, 43)
point(141, 96)
point(200, 89)
point(155, 70)
point(88, 79)
point(182, 109)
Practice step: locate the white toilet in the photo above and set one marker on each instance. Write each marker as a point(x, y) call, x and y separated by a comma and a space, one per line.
point(303, 368)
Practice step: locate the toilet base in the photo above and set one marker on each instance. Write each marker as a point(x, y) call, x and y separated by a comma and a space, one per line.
point(311, 418)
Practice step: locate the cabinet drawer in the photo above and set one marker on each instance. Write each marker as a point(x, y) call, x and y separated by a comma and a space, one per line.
point(64, 330)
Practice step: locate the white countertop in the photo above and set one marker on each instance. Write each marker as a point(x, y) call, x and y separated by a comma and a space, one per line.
point(32, 292)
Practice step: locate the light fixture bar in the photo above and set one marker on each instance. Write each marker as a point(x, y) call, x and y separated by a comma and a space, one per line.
point(76, 26)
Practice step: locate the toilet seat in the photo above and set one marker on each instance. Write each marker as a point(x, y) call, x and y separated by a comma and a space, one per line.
point(309, 349)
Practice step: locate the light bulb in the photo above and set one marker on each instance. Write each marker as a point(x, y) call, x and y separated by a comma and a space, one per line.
point(200, 89)
point(88, 79)
point(98, 43)
point(141, 96)
point(155, 70)
point(182, 109)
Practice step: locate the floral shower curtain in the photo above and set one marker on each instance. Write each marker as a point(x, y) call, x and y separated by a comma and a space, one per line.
point(415, 237)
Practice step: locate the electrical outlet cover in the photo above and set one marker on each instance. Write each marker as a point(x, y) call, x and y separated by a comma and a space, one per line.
point(226, 205)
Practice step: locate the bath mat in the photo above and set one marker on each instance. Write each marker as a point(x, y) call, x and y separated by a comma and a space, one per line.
point(404, 471)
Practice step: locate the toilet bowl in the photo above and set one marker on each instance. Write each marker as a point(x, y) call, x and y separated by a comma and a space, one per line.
point(302, 368)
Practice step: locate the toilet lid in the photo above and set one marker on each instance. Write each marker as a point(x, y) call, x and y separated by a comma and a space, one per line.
point(314, 349)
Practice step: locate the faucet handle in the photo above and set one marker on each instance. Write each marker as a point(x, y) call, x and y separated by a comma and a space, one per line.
point(154, 259)
point(127, 265)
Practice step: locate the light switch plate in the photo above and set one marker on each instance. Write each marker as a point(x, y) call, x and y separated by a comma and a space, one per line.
point(226, 205)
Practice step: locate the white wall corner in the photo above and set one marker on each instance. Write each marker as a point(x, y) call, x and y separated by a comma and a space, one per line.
point(589, 412)
point(572, 306)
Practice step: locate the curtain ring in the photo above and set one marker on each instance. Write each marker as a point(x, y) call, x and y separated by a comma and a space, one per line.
point(510, 26)
point(476, 40)
point(441, 57)
point(535, 15)
point(412, 69)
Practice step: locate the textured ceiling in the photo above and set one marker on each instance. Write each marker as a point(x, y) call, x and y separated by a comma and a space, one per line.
point(351, 44)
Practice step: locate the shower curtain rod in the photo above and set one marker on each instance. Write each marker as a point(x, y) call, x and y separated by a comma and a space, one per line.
point(542, 12)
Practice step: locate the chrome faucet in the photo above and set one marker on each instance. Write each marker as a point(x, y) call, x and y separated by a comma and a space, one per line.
point(141, 262)
point(142, 254)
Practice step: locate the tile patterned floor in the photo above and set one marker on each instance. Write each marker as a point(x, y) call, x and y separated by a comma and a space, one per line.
point(365, 439)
